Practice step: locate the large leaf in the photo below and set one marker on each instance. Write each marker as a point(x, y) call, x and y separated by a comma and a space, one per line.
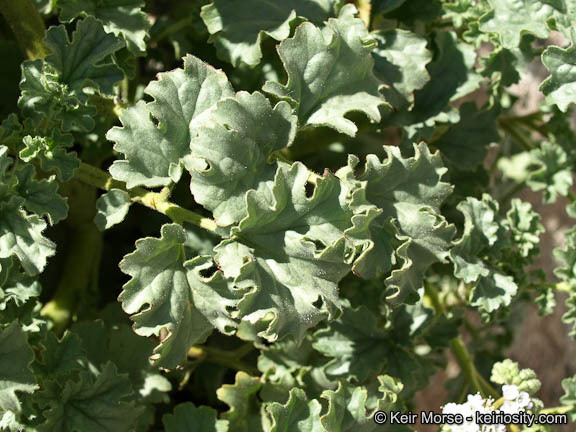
point(92, 404)
point(156, 136)
point(124, 17)
point(289, 254)
point(237, 30)
point(298, 414)
point(231, 153)
point(401, 58)
point(330, 73)
point(510, 19)
point(409, 192)
point(171, 296)
point(15, 374)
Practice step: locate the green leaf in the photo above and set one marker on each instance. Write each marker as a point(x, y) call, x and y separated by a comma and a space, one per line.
point(241, 397)
point(156, 136)
point(172, 297)
point(569, 397)
point(330, 73)
point(510, 19)
point(466, 142)
point(40, 196)
point(121, 17)
point(93, 404)
point(60, 357)
point(15, 374)
point(21, 236)
point(400, 62)
point(482, 233)
point(507, 372)
point(410, 229)
point(112, 208)
point(350, 409)
point(237, 32)
point(356, 344)
point(58, 87)
point(560, 86)
point(299, 413)
point(567, 259)
point(525, 227)
point(551, 171)
point(51, 153)
point(569, 316)
point(231, 153)
point(188, 417)
point(289, 254)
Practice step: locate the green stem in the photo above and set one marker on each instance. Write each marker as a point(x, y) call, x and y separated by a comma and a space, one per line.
point(173, 28)
point(27, 26)
point(466, 364)
point(364, 11)
point(154, 200)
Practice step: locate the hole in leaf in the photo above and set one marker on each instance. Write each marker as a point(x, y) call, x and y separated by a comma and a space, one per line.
point(318, 303)
point(319, 245)
point(207, 273)
point(309, 189)
point(155, 121)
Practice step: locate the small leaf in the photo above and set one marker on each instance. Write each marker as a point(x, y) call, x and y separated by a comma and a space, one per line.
point(241, 397)
point(112, 208)
point(187, 417)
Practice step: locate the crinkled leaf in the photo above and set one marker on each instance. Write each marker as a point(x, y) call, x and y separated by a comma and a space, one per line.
point(409, 192)
point(560, 86)
point(124, 17)
point(41, 196)
point(356, 344)
point(466, 142)
point(525, 227)
point(241, 397)
point(237, 31)
point(170, 296)
point(112, 208)
point(230, 154)
point(551, 171)
point(299, 413)
point(15, 374)
point(507, 372)
point(56, 87)
point(569, 316)
point(482, 233)
point(400, 62)
point(50, 152)
point(21, 236)
point(188, 417)
point(60, 356)
point(569, 396)
point(510, 19)
point(156, 136)
point(289, 254)
point(93, 404)
point(330, 73)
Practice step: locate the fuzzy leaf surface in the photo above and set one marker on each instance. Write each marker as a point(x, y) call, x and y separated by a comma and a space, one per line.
point(330, 73)
point(155, 136)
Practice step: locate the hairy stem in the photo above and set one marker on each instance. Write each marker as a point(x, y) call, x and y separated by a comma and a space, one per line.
point(27, 26)
point(364, 10)
point(155, 200)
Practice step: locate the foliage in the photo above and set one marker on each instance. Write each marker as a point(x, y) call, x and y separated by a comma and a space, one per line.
point(257, 215)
